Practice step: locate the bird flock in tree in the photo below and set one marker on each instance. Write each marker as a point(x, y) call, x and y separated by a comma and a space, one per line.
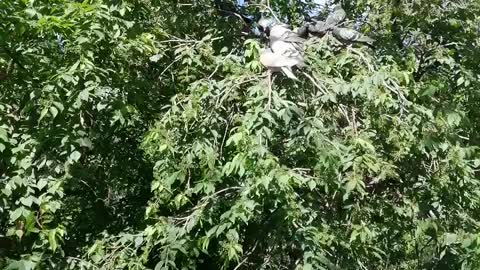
point(285, 46)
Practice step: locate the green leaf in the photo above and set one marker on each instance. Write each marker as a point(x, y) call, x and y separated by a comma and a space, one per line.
point(74, 67)
point(99, 34)
point(351, 185)
point(207, 37)
point(27, 201)
point(460, 81)
point(454, 119)
point(3, 134)
point(235, 138)
point(156, 57)
point(19, 233)
point(53, 111)
point(117, 34)
point(30, 12)
point(155, 185)
point(42, 183)
point(16, 214)
point(96, 258)
point(52, 239)
point(58, 105)
point(21, 265)
point(307, 267)
point(43, 113)
point(85, 142)
point(449, 239)
point(75, 156)
point(82, 40)
point(312, 184)
point(138, 241)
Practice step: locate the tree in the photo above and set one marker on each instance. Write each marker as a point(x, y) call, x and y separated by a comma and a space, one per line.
point(134, 135)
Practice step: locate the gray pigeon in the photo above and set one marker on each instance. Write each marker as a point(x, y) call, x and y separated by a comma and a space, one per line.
point(276, 31)
point(319, 28)
point(337, 16)
point(276, 62)
point(302, 31)
point(349, 35)
point(282, 32)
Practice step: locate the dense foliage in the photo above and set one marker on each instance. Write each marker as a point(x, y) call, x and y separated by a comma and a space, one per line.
point(135, 134)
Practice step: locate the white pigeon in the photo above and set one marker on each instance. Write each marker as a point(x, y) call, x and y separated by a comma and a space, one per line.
point(276, 61)
point(286, 48)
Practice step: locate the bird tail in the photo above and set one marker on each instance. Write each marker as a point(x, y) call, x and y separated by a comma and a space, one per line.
point(366, 39)
point(288, 72)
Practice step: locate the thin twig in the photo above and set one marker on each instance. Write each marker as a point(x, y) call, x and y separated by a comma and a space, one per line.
point(370, 67)
point(173, 62)
point(269, 90)
point(401, 97)
point(224, 137)
point(218, 65)
point(246, 256)
point(221, 96)
point(301, 169)
point(269, 9)
point(86, 184)
point(224, 190)
point(315, 83)
point(345, 114)
point(354, 121)
point(178, 40)
point(84, 261)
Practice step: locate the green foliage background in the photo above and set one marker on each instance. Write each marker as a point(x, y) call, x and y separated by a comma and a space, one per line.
point(145, 143)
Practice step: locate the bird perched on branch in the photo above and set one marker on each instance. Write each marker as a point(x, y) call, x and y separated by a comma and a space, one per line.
point(284, 33)
point(337, 16)
point(286, 42)
point(285, 50)
point(276, 62)
point(302, 31)
point(319, 28)
point(286, 47)
point(277, 30)
point(348, 35)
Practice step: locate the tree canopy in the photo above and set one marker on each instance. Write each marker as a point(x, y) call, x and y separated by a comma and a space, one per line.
point(135, 134)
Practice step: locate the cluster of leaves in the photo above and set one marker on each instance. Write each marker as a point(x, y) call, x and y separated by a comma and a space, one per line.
point(69, 96)
point(136, 135)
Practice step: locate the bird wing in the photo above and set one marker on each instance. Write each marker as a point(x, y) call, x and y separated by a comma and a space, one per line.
point(291, 36)
point(351, 35)
point(319, 27)
point(346, 34)
point(282, 32)
point(285, 48)
point(276, 60)
point(302, 31)
point(288, 72)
